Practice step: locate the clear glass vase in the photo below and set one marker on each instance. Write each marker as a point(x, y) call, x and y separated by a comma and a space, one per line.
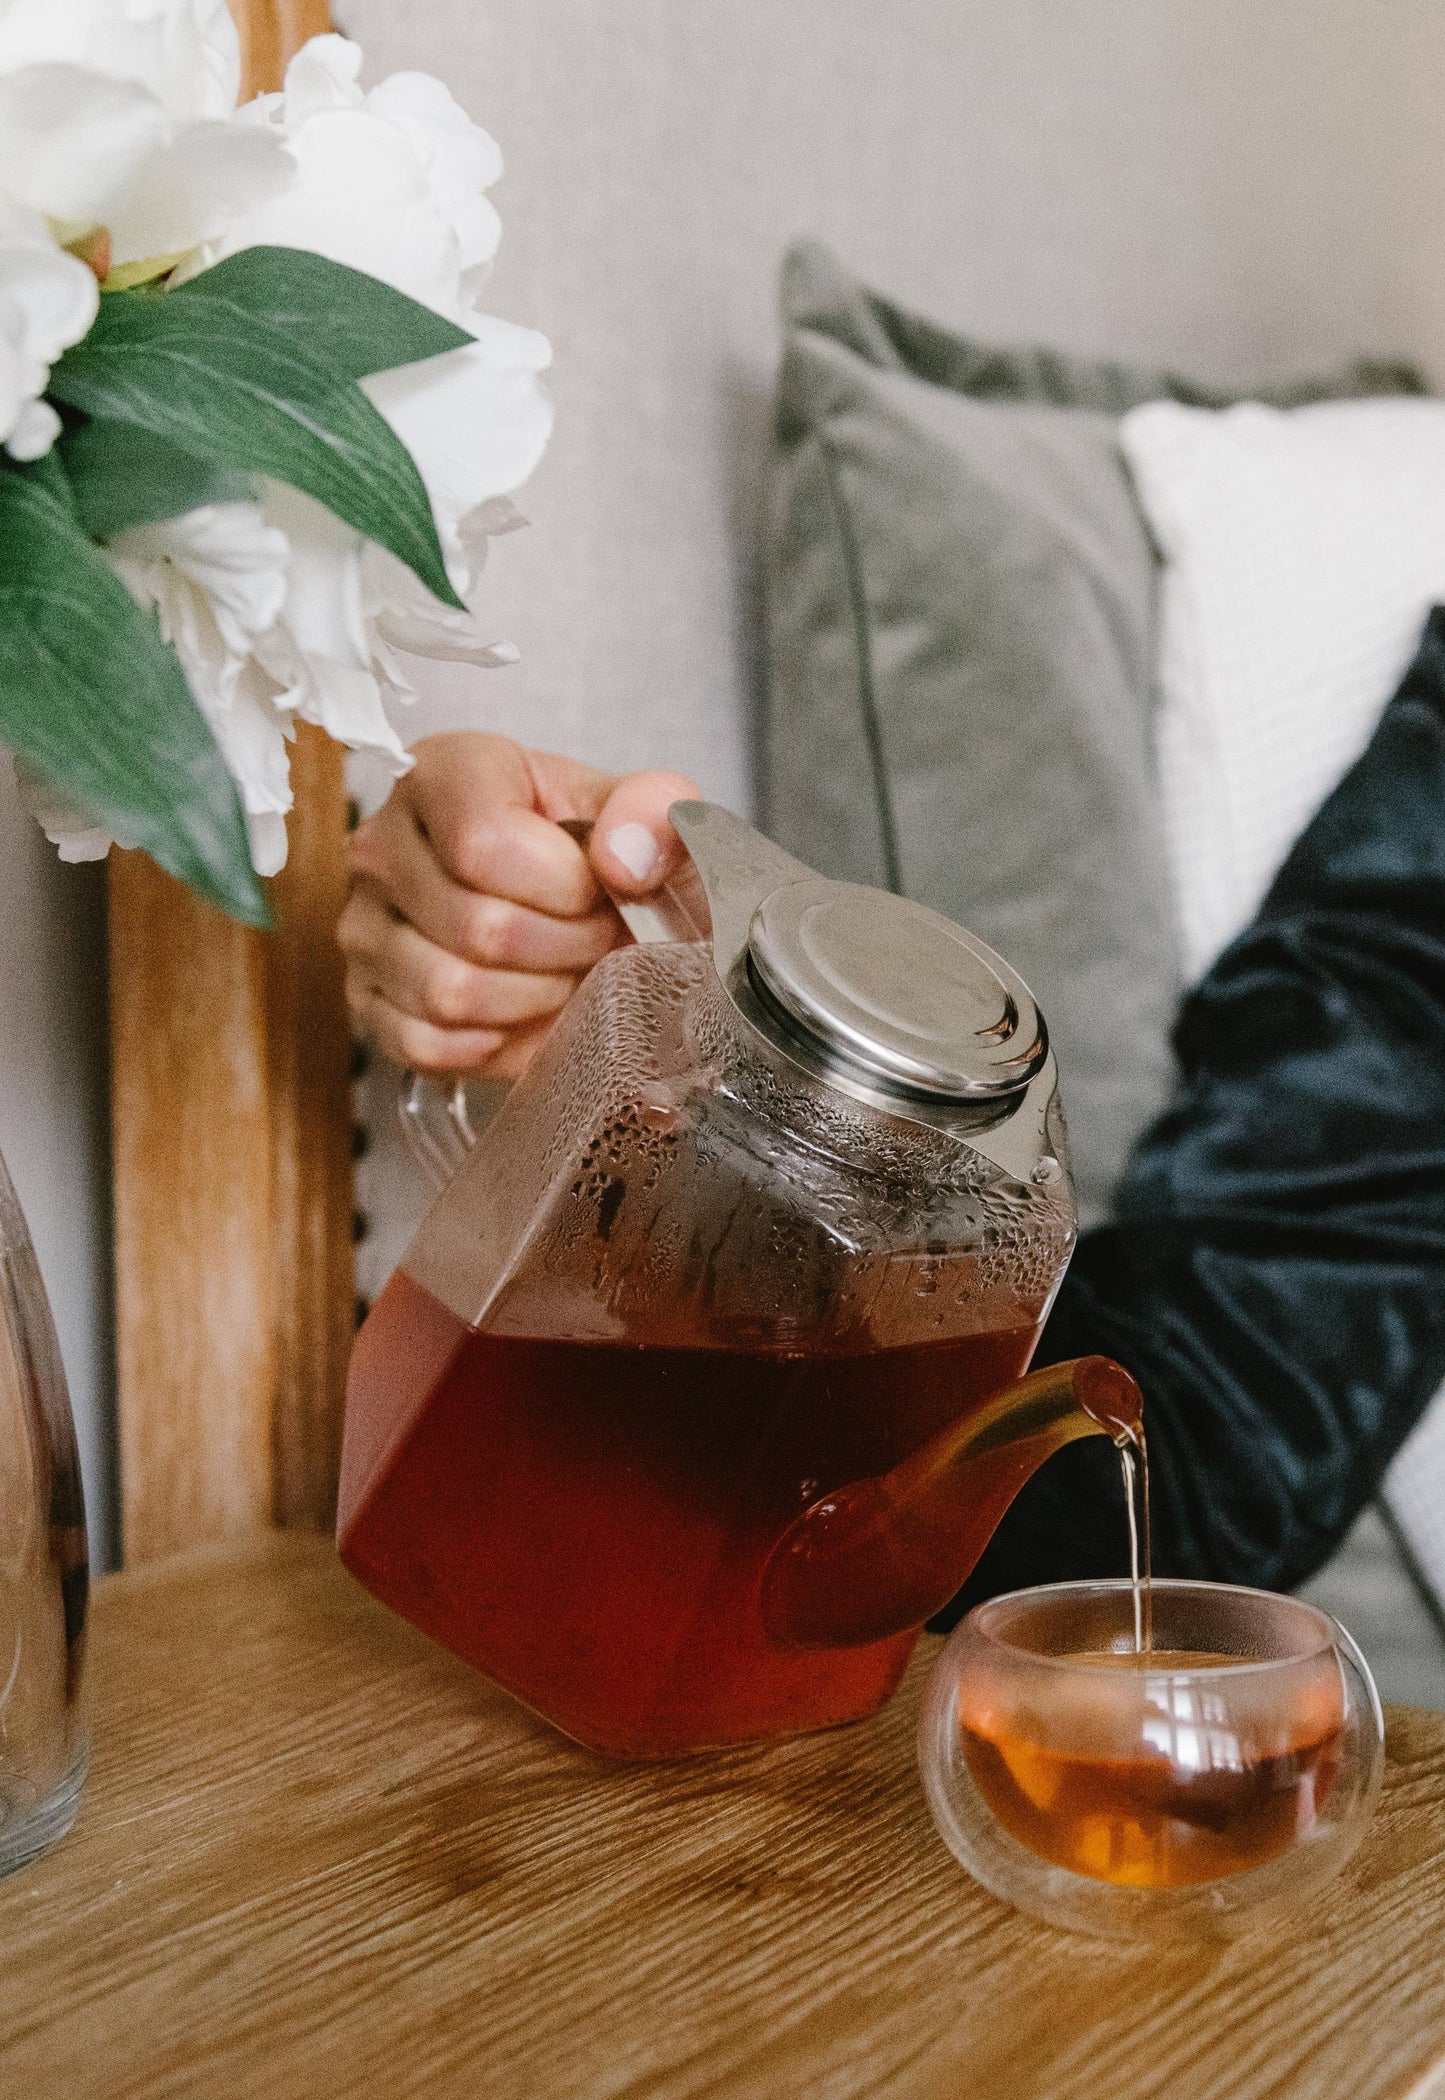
point(44, 1562)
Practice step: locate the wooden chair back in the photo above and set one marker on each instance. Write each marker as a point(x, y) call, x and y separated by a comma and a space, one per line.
point(231, 1139)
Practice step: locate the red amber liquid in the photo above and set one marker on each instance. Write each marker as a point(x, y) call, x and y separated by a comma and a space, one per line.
point(1150, 1821)
point(589, 1523)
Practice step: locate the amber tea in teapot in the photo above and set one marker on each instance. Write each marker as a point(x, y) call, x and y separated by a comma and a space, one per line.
point(703, 1382)
point(605, 1507)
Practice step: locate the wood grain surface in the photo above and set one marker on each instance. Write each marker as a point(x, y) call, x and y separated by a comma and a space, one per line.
point(270, 31)
point(318, 1858)
point(191, 1149)
point(312, 1292)
point(230, 1107)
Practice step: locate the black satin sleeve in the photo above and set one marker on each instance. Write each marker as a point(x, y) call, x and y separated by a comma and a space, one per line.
point(1274, 1275)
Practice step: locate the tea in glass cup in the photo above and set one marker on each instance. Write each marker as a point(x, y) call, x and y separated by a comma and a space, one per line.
point(1230, 1768)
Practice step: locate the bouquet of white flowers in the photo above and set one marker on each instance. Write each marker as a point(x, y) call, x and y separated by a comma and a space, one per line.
point(254, 431)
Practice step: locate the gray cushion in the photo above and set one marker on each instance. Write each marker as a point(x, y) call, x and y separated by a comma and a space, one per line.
point(961, 596)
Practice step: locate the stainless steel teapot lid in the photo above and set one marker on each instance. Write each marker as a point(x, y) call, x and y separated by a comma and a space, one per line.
point(896, 988)
point(873, 983)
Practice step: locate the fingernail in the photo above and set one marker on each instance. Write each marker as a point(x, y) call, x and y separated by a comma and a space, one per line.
point(636, 848)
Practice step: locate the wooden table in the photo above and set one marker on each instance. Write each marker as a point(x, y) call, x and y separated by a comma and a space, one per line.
point(319, 1858)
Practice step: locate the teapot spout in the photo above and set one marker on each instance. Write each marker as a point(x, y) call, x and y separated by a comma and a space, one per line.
point(879, 1556)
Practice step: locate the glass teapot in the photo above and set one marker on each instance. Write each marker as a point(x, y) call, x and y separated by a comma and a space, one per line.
point(702, 1384)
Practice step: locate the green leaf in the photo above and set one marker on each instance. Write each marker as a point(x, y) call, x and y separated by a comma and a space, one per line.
point(91, 696)
point(48, 473)
point(122, 476)
point(361, 324)
point(234, 389)
point(125, 476)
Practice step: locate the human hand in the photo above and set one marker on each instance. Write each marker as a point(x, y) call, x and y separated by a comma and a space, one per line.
point(473, 917)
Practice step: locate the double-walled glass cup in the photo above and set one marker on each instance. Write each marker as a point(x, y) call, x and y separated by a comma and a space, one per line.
point(1229, 1772)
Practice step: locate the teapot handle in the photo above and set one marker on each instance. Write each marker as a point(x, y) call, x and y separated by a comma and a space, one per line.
point(433, 1114)
point(436, 1123)
point(661, 917)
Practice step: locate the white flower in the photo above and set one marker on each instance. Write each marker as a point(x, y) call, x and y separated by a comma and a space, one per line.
point(475, 420)
point(320, 652)
point(186, 51)
point(121, 114)
point(392, 182)
point(47, 301)
point(403, 614)
point(247, 595)
point(217, 578)
point(118, 126)
point(350, 605)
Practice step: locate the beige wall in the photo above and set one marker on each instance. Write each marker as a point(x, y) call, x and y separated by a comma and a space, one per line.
point(1323, 167)
point(1240, 185)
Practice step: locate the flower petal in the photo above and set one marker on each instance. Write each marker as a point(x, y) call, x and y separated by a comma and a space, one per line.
point(319, 651)
point(212, 575)
point(33, 432)
point(323, 606)
point(253, 735)
point(323, 75)
point(347, 704)
point(228, 551)
point(444, 636)
point(72, 141)
point(66, 827)
point(187, 51)
point(200, 69)
point(268, 843)
point(47, 300)
point(391, 182)
point(189, 189)
point(405, 615)
point(475, 420)
point(461, 160)
point(361, 197)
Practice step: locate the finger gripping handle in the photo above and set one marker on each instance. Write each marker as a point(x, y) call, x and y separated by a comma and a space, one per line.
point(433, 1112)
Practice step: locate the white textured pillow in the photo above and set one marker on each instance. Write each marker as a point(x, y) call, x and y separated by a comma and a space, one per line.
point(1302, 550)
